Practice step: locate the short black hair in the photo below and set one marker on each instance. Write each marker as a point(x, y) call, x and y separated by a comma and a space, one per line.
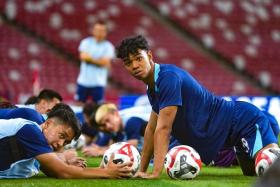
point(131, 45)
point(48, 95)
point(31, 100)
point(92, 121)
point(89, 108)
point(7, 104)
point(65, 114)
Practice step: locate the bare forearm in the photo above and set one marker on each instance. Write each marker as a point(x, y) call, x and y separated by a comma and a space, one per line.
point(147, 152)
point(161, 141)
point(75, 172)
point(103, 62)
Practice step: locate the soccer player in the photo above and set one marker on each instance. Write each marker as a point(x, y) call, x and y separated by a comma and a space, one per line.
point(96, 53)
point(69, 156)
point(26, 147)
point(193, 115)
point(45, 101)
point(124, 125)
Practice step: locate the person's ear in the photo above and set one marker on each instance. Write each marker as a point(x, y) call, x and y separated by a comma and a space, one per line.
point(47, 123)
point(150, 55)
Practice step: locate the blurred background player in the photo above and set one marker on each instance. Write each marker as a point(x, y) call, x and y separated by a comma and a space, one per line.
point(91, 135)
point(192, 114)
point(122, 125)
point(44, 102)
point(96, 54)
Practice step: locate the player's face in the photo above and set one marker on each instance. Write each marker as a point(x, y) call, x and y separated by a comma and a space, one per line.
point(57, 135)
point(99, 31)
point(139, 65)
point(45, 106)
point(111, 122)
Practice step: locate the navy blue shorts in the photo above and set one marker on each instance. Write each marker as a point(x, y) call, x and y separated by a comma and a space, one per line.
point(96, 94)
point(252, 129)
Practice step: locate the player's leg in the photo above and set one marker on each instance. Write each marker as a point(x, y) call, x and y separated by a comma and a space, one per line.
point(226, 157)
point(81, 93)
point(254, 140)
point(97, 94)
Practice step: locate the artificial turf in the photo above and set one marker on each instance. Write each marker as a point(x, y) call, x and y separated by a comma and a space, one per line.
point(209, 176)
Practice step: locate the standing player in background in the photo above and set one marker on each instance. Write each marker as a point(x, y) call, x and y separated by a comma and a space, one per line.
point(193, 115)
point(124, 125)
point(96, 54)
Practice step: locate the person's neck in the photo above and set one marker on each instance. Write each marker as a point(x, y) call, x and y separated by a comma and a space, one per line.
point(98, 40)
point(150, 79)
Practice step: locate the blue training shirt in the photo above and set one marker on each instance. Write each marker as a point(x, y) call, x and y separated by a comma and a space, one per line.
point(202, 120)
point(25, 113)
point(30, 142)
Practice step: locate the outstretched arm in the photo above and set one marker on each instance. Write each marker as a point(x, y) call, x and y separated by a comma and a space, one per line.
point(52, 166)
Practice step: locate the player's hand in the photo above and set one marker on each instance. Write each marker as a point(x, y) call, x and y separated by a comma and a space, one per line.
point(91, 151)
point(77, 161)
point(118, 170)
point(151, 176)
point(85, 56)
point(145, 175)
point(69, 154)
point(140, 174)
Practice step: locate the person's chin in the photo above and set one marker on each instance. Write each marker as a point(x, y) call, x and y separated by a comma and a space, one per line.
point(138, 77)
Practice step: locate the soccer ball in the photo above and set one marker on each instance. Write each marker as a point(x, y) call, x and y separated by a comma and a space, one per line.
point(182, 162)
point(265, 158)
point(123, 152)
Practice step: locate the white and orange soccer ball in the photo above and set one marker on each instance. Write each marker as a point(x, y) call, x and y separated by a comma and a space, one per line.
point(182, 162)
point(265, 158)
point(123, 152)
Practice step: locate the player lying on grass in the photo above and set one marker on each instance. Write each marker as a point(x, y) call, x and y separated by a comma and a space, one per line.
point(45, 101)
point(193, 115)
point(68, 156)
point(122, 125)
point(26, 147)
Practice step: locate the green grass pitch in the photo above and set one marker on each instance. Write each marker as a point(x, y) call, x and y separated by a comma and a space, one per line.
point(209, 176)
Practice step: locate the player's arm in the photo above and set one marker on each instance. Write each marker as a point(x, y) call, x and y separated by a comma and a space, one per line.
point(148, 146)
point(89, 139)
point(161, 138)
point(70, 157)
point(52, 166)
point(103, 62)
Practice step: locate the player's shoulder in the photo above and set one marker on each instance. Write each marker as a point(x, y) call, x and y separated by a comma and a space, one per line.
point(107, 43)
point(169, 68)
point(27, 113)
point(31, 128)
point(168, 72)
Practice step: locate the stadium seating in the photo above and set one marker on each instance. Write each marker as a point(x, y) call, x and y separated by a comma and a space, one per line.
point(21, 56)
point(65, 23)
point(246, 32)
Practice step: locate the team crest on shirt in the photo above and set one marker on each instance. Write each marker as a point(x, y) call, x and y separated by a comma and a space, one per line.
point(245, 145)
